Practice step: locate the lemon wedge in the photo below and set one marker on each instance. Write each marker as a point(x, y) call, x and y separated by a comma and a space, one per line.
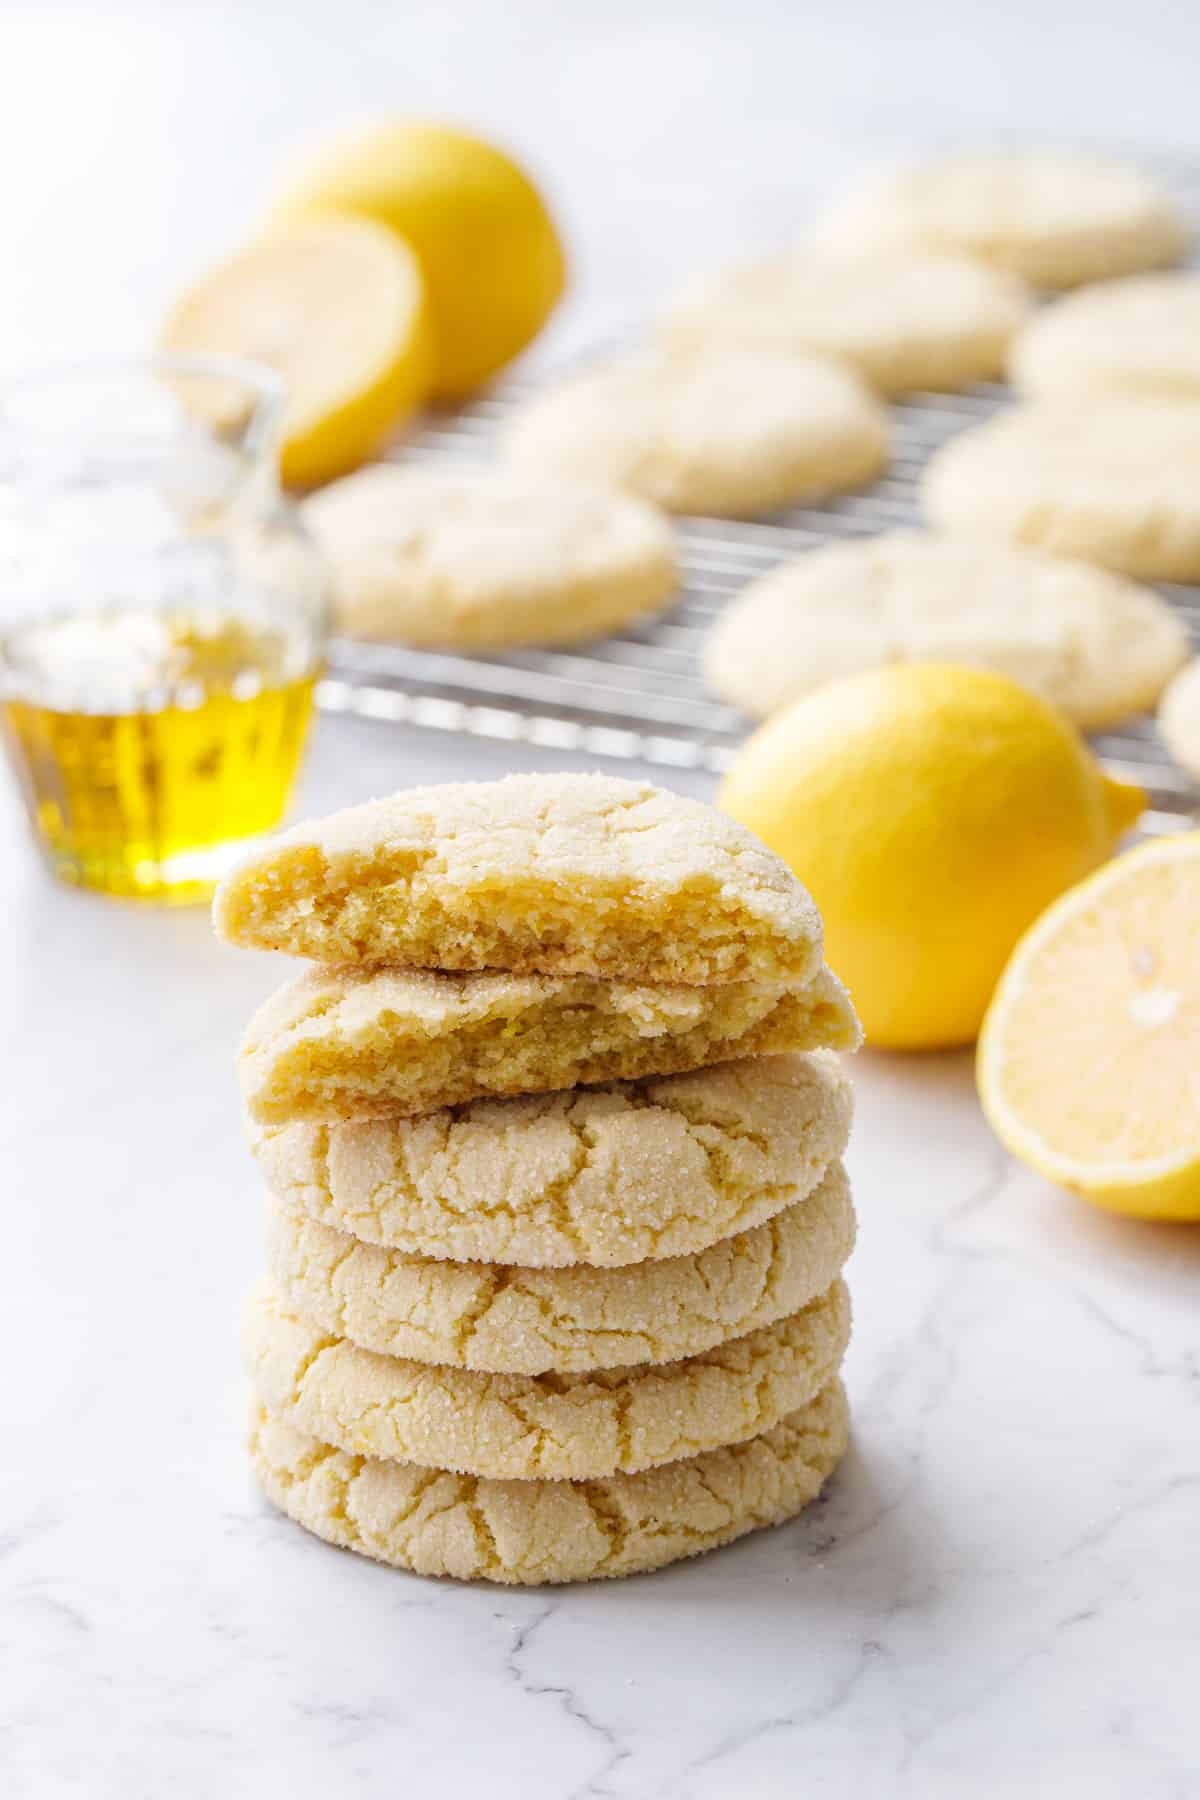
point(1089, 1056)
point(338, 309)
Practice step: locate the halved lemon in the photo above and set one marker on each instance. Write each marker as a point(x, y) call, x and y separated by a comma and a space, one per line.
point(337, 308)
point(1089, 1059)
point(487, 243)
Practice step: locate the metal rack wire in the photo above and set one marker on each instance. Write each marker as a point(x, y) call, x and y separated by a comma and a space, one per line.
point(639, 695)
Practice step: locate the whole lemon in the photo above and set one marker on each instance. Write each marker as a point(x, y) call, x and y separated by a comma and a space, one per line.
point(933, 812)
point(492, 259)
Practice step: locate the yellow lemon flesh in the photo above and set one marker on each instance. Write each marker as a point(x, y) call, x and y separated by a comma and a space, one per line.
point(339, 310)
point(933, 813)
point(492, 258)
point(1089, 1055)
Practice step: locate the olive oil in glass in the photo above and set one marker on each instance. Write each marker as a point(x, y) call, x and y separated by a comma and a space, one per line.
point(161, 626)
point(138, 781)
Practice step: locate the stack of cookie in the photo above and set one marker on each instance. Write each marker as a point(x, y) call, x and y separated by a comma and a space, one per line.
point(558, 1218)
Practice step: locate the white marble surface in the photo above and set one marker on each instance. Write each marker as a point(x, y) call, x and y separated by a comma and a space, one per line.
point(998, 1596)
point(1001, 1593)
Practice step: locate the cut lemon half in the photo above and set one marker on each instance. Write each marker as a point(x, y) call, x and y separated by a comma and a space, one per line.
point(1089, 1059)
point(489, 248)
point(338, 309)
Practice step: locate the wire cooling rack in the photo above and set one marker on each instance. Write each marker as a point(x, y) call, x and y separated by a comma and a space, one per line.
point(639, 696)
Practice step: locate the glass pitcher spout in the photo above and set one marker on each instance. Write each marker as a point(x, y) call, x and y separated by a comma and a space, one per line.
point(146, 401)
point(205, 426)
point(162, 617)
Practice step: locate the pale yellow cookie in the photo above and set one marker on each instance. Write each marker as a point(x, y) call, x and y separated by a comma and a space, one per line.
point(602, 1176)
point(538, 874)
point(530, 1532)
point(479, 558)
point(539, 1427)
point(904, 321)
point(1057, 220)
point(714, 429)
point(1112, 478)
point(1179, 718)
point(1093, 643)
point(508, 1320)
point(331, 1046)
point(1141, 334)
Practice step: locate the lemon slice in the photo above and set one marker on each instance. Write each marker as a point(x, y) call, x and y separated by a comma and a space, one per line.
point(338, 309)
point(1089, 1054)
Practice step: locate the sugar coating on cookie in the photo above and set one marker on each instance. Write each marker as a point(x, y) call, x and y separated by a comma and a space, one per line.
point(363, 1045)
point(603, 1176)
point(525, 1321)
point(1092, 642)
point(1140, 334)
point(1057, 220)
point(539, 1427)
point(903, 320)
point(1111, 478)
point(480, 558)
point(537, 874)
point(532, 1532)
point(1179, 718)
point(712, 429)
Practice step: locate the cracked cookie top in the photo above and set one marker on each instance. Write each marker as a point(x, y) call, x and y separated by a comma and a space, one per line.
point(478, 557)
point(721, 428)
point(904, 319)
point(539, 1427)
point(1113, 478)
point(530, 1532)
point(605, 1176)
point(534, 874)
point(510, 1320)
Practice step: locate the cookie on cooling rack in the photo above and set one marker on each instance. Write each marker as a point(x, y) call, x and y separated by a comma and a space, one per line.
point(1055, 219)
point(904, 321)
point(708, 429)
point(1179, 718)
point(1095, 644)
point(1142, 333)
point(478, 559)
point(1113, 478)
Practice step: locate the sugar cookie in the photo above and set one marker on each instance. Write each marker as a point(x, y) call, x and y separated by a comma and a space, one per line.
point(539, 1427)
point(332, 1046)
point(1112, 478)
point(509, 1320)
point(1142, 333)
point(604, 1176)
point(1179, 718)
point(1055, 219)
point(715, 429)
point(538, 874)
point(1091, 642)
point(480, 558)
point(904, 321)
point(530, 1532)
